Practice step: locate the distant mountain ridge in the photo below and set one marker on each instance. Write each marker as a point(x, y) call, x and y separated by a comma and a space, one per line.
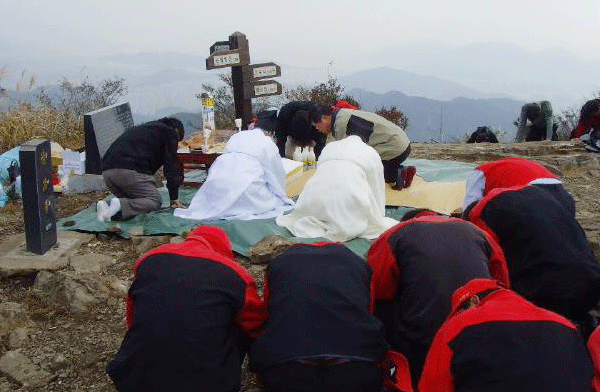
point(446, 121)
point(554, 74)
point(384, 79)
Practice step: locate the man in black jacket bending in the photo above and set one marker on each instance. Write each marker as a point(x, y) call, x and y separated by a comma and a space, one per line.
point(129, 165)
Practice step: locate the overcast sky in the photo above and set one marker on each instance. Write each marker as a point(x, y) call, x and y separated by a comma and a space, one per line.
point(301, 32)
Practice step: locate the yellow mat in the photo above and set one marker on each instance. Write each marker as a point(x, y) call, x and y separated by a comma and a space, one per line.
point(436, 195)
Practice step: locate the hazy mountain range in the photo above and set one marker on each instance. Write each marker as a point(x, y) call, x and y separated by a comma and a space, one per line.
point(446, 121)
point(439, 86)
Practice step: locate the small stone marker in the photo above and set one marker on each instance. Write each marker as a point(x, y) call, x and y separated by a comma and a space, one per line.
point(39, 208)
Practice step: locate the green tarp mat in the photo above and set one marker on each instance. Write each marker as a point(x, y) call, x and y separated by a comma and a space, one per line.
point(244, 234)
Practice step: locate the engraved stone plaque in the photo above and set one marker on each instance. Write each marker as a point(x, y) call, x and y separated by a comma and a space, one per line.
point(39, 208)
point(102, 127)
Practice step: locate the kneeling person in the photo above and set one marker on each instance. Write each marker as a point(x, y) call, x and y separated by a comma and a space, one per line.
point(417, 265)
point(495, 340)
point(129, 165)
point(388, 139)
point(549, 259)
point(191, 311)
point(319, 334)
point(246, 182)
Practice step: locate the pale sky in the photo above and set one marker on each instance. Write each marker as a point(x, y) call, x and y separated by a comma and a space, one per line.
point(300, 32)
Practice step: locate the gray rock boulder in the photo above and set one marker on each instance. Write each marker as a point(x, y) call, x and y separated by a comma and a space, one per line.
point(20, 369)
point(267, 248)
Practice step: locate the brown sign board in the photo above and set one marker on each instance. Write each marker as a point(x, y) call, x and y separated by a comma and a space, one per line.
point(227, 58)
point(261, 88)
point(261, 71)
point(219, 46)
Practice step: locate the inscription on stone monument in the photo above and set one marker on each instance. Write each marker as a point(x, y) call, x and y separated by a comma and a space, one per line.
point(102, 127)
point(39, 208)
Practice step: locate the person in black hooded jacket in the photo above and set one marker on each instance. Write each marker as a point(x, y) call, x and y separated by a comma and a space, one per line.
point(129, 165)
point(295, 120)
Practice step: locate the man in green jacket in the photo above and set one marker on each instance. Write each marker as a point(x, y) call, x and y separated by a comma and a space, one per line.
point(388, 139)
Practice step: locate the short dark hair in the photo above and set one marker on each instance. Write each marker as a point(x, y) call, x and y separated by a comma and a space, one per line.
point(174, 123)
point(318, 111)
point(589, 108)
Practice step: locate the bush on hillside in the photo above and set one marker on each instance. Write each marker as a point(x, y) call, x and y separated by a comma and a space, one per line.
point(394, 115)
point(326, 93)
point(60, 118)
point(24, 122)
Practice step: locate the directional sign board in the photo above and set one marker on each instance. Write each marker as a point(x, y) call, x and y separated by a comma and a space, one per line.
point(227, 58)
point(261, 88)
point(219, 46)
point(261, 71)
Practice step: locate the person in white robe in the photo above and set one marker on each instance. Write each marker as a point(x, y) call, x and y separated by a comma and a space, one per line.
point(345, 198)
point(246, 182)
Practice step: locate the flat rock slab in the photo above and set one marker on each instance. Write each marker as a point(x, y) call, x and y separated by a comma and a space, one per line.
point(16, 260)
point(18, 368)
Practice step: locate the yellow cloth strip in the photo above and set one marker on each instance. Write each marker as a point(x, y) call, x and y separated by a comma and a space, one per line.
point(436, 195)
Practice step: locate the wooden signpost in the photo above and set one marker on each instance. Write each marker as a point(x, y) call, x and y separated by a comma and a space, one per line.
point(249, 81)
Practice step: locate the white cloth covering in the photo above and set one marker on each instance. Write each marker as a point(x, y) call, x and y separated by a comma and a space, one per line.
point(345, 198)
point(246, 182)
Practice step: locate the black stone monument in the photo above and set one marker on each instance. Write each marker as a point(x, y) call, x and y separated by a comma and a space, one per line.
point(39, 208)
point(102, 127)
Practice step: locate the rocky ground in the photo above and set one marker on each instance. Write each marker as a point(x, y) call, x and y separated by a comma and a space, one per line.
point(54, 343)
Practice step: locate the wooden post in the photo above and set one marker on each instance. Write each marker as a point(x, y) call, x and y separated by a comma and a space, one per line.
point(243, 105)
point(248, 80)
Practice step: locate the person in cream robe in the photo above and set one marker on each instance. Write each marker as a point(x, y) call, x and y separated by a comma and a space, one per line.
point(345, 198)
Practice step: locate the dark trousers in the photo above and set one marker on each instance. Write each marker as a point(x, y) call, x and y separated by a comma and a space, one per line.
point(390, 168)
point(356, 376)
point(136, 191)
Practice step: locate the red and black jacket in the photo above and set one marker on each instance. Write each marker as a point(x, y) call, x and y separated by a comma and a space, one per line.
point(587, 122)
point(549, 259)
point(593, 346)
point(511, 171)
point(496, 341)
point(187, 310)
point(318, 297)
point(417, 265)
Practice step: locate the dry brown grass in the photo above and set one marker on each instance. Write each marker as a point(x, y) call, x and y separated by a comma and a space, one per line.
point(24, 122)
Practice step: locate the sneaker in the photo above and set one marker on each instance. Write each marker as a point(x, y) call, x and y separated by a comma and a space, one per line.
point(408, 173)
point(101, 208)
point(591, 148)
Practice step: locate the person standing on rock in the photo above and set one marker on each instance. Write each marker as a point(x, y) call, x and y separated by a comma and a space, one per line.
point(191, 312)
point(511, 171)
point(129, 166)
